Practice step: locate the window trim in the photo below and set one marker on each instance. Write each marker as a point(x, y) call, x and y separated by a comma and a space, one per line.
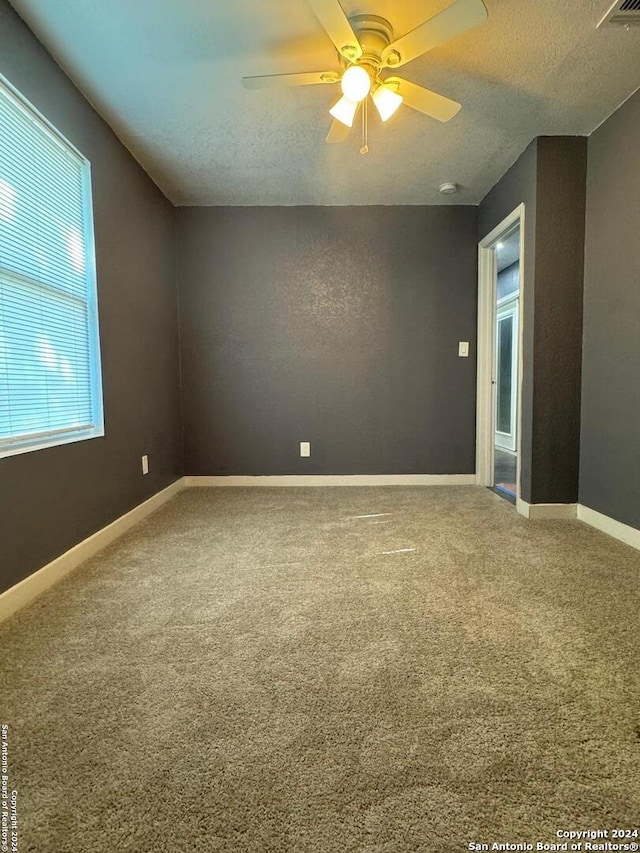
point(69, 435)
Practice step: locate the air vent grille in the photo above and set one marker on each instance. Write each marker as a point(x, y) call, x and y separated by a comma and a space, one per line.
point(623, 13)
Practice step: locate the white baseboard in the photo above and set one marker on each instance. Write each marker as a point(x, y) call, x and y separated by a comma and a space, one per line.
point(26, 590)
point(624, 532)
point(603, 523)
point(548, 512)
point(337, 480)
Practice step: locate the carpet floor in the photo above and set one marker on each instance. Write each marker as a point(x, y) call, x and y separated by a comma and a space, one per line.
point(331, 669)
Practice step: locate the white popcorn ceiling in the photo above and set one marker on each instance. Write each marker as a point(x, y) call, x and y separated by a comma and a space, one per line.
point(166, 76)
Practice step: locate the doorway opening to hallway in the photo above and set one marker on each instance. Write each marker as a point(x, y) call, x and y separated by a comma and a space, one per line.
point(500, 324)
point(505, 457)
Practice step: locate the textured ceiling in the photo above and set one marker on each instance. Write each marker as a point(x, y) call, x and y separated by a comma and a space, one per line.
point(166, 76)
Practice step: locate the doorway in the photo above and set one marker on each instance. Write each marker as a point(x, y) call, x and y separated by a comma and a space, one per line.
point(500, 357)
point(506, 427)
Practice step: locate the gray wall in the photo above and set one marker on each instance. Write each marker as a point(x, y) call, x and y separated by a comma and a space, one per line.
point(51, 499)
point(559, 281)
point(338, 326)
point(550, 178)
point(610, 450)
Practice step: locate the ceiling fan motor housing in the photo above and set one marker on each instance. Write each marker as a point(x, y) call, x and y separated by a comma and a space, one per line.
point(374, 34)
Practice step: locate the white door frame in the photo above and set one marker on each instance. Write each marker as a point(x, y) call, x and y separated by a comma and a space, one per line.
point(486, 388)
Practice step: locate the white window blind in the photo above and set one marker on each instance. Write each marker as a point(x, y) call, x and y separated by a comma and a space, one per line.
point(50, 384)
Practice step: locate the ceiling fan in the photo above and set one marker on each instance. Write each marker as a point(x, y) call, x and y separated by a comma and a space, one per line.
point(366, 47)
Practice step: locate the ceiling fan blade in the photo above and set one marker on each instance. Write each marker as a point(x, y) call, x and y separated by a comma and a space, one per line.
point(338, 132)
point(456, 19)
point(281, 81)
point(424, 100)
point(332, 17)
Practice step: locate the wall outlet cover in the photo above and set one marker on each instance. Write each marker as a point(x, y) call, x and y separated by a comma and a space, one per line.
point(305, 448)
point(145, 464)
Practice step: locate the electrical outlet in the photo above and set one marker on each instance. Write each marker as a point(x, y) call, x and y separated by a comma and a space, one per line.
point(463, 349)
point(145, 464)
point(305, 448)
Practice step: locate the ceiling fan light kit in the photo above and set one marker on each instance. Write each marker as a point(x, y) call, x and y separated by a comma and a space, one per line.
point(366, 43)
point(356, 83)
point(345, 111)
point(386, 101)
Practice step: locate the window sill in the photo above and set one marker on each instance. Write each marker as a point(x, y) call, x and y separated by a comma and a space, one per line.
point(19, 447)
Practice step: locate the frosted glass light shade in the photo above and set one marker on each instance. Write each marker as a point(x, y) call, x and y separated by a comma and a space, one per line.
point(387, 101)
point(344, 111)
point(356, 83)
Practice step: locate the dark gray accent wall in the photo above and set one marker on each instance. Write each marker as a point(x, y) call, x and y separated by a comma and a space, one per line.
point(550, 178)
point(338, 326)
point(559, 281)
point(610, 447)
point(52, 499)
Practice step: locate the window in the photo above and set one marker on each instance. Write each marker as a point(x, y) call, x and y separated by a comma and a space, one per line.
point(50, 383)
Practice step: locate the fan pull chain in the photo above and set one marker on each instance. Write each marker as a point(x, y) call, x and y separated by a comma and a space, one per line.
point(365, 127)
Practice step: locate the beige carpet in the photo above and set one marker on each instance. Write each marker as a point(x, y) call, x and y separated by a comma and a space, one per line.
point(393, 669)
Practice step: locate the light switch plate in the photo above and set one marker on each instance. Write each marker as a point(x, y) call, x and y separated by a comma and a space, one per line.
point(305, 448)
point(463, 349)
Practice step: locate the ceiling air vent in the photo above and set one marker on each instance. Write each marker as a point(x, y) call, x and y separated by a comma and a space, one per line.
point(623, 13)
